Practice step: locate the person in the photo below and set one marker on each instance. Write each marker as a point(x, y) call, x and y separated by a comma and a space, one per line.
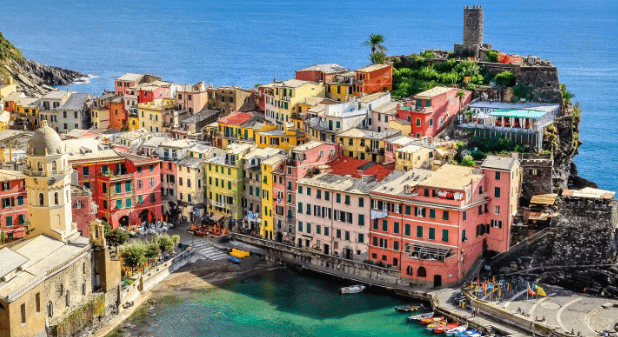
point(543, 318)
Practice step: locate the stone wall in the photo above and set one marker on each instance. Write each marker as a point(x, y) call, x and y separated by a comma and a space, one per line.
point(80, 317)
point(537, 177)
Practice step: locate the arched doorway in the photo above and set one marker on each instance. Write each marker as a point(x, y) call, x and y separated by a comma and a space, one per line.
point(143, 216)
point(124, 221)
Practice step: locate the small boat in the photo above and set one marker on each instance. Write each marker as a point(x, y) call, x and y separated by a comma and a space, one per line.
point(446, 328)
point(407, 308)
point(454, 331)
point(233, 259)
point(420, 316)
point(432, 326)
point(431, 320)
point(353, 289)
point(466, 333)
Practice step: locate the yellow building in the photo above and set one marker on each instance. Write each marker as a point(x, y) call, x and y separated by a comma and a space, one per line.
point(224, 186)
point(155, 116)
point(26, 112)
point(413, 156)
point(268, 165)
point(7, 87)
point(364, 144)
point(341, 88)
point(239, 127)
point(282, 98)
point(282, 139)
point(404, 126)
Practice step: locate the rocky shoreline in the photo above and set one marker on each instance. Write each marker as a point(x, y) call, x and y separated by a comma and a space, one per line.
point(36, 79)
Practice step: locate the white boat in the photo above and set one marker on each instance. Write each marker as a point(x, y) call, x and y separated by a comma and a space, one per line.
point(353, 289)
point(420, 316)
point(456, 330)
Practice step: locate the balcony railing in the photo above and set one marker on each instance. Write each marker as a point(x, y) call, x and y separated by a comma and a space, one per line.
point(34, 173)
point(217, 203)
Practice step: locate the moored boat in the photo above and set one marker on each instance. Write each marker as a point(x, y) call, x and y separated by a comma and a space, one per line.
point(233, 259)
point(353, 289)
point(431, 320)
point(420, 316)
point(447, 327)
point(407, 308)
point(432, 326)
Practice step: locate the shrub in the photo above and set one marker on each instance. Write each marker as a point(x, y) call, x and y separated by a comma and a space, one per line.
point(428, 54)
point(468, 161)
point(492, 55)
point(506, 79)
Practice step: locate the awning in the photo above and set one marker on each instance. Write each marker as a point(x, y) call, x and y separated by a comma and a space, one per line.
point(544, 199)
point(216, 217)
point(538, 216)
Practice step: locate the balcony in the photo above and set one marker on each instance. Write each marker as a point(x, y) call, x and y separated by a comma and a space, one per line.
point(217, 203)
point(374, 150)
point(33, 173)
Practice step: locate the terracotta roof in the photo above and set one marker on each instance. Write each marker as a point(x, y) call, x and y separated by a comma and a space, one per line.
point(544, 199)
point(358, 167)
point(236, 118)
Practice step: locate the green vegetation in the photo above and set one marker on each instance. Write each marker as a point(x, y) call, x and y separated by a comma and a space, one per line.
point(428, 54)
point(492, 55)
point(566, 95)
point(115, 237)
point(375, 42)
point(505, 79)
point(165, 242)
point(498, 145)
point(133, 256)
point(8, 51)
point(426, 75)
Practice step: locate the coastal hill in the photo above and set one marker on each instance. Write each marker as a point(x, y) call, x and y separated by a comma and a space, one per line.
point(33, 78)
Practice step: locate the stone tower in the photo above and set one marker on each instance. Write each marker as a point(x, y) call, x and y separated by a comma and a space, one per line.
point(48, 184)
point(473, 28)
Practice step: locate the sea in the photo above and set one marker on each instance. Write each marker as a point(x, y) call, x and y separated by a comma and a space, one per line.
point(278, 302)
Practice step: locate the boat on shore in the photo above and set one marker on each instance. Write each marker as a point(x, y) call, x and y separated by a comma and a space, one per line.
point(353, 289)
point(420, 316)
point(407, 308)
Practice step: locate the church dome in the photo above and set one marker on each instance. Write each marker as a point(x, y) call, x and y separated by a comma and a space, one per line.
point(45, 141)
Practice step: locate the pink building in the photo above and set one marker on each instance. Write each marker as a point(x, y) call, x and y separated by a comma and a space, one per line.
point(320, 72)
point(83, 209)
point(303, 160)
point(435, 225)
point(333, 208)
point(193, 98)
point(14, 204)
point(432, 110)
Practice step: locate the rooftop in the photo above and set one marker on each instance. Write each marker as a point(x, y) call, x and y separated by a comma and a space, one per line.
point(77, 101)
point(395, 184)
point(388, 108)
point(190, 162)
point(56, 94)
point(411, 148)
point(307, 146)
point(293, 83)
point(203, 148)
point(527, 105)
point(533, 114)
point(372, 97)
point(130, 77)
point(236, 118)
point(330, 68)
point(236, 148)
point(200, 116)
point(372, 67)
point(180, 143)
point(543, 199)
point(589, 193)
point(368, 134)
point(452, 177)
point(431, 93)
point(357, 168)
point(7, 175)
point(499, 163)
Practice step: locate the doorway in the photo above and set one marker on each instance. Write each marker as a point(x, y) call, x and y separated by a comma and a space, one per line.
point(437, 281)
point(326, 250)
point(348, 254)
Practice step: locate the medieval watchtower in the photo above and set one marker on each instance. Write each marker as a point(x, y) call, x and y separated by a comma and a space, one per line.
point(472, 32)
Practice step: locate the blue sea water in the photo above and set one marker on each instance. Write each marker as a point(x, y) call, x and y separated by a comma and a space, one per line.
point(244, 42)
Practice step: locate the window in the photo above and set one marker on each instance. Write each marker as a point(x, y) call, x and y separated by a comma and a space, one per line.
point(300, 189)
point(361, 238)
point(23, 313)
point(140, 184)
point(338, 198)
point(418, 122)
point(396, 245)
point(496, 210)
point(420, 211)
point(497, 175)
point(464, 215)
point(407, 229)
point(104, 204)
point(326, 231)
point(375, 224)
point(119, 204)
point(41, 199)
point(384, 225)
point(9, 221)
point(409, 270)
point(67, 298)
point(361, 219)
point(396, 228)
point(361, 202)
point(152, 182)
point(432, 213)
point(308, 228)
point(339, 234)
point(118, 188)
point(445, 235)
point(421, 272)
point(375, 241)
point(151, 168)
point(408, 208)
point(497, 192)
point(326, 195)
point(419, 232)
point(300, 207)
point(431, 122)
point(128, 186)
point(37, 299)
point(463, 236)
point(309, 191)
point(347, 236)
point(347, 199)
point(480, 209)
point(318, 194)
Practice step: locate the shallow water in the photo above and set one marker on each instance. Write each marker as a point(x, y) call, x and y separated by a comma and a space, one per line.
point(280, 302)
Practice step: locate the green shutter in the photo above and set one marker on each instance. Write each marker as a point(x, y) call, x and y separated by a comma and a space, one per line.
point(361, 220)
point(118, 188)
point(407, 230)
point(139, 199)
point(445, 235)
point(119, 204)
point(419, 231)
point(432, 233)
point(432, 213)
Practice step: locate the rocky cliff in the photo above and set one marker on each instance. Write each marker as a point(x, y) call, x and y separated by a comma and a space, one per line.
point(33, 78)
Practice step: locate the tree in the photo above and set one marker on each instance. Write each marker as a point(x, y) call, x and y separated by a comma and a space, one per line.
point(375, 42)
point(133, 256)
point(164, 242)
point(378, 57)
point(116, 237)
point(468, 160)
point(2, 238)
point(506, 79)
point(152, 251)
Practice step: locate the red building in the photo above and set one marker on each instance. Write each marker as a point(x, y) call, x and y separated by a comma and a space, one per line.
point(373, 78)
point(433, 109)
point(82, 208)
point(117, 114)
point(152, 91)
point(14, 204)
point(434, 225)
point(126, 188)
point(320, 72)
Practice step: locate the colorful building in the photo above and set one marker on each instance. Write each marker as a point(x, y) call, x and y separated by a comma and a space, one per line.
point(193, 98)
point(268, 166)
point(7, 87)
point(230, 128)
point(224, 184)
point(413, 156)
point(282, 98)
point(341, 87)
point(281, 139)
point(320, 72)
point(364, 144)
point(434, 225)
point(26, 113)
point(228, 99)
point(14, 204)
point(83, 209)
point(300, 162)
point(152, 115)
point(432, 110)
point(118, 115)
point(373, 78)
point(100, 111)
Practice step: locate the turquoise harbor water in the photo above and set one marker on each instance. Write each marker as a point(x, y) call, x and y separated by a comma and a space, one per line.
point(280, 303)
point(244, 42)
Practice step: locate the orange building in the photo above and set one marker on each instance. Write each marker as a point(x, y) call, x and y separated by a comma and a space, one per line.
point(117, 114)
point(373, 78)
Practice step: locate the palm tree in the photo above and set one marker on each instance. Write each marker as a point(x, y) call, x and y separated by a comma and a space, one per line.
point(460, 94)
point(375, 42)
